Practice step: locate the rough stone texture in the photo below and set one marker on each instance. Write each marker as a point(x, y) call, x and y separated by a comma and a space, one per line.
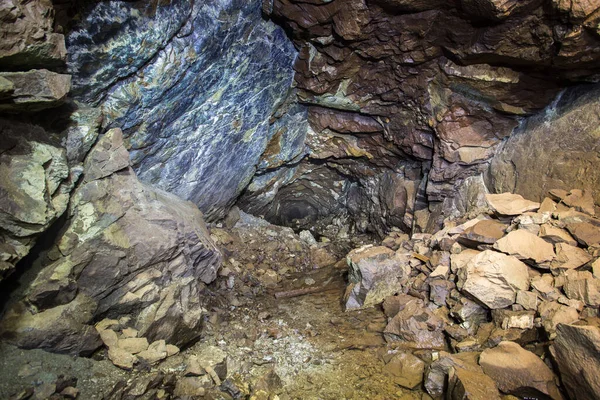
point(406, 370)
point(493, 278)
point(526, 246)
point(375, 273)
point(128, 249)
point(510, 204)
point(191, 84)
point(436, 374)
point(413, 324)
point(35, 90)
point(35, 182)
point(518, 372)
point(557, 149)
point(577, 353)
point(26, 35)
point(484, 232)
point(386, 61)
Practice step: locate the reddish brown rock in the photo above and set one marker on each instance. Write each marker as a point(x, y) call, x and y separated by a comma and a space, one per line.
point(518, 371)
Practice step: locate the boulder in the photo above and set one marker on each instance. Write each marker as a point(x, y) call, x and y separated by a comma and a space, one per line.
point(62, 329)
point(375, 273)
point(586, 233)
point(552, 314)
point(510, 204)
point(413, 323)
point(435, 380)
point(35, 90)
point(483, 232)
point(493, 278)
point(576, 351)
point(518, 372)
point(130, 250)
point(570, 257)
point(526, 246)
point(405, 369)
point(26, 35)
point(467, 384)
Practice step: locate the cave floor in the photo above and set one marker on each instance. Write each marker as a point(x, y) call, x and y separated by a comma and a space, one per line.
point(318, 350)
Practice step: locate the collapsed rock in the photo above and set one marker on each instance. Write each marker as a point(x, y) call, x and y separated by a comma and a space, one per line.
point(494, 278)
point(129, 250)
point(518, 371)
point(375, 273)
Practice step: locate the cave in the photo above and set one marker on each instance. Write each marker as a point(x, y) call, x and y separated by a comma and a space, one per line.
point(299, 199)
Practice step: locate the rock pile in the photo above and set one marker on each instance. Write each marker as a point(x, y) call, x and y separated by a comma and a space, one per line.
point(516, 274)
point(125, 347)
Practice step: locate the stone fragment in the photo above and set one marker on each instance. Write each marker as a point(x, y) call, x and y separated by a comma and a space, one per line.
point(483, 232)
point(27, 38)
point(526, 246)
point(121, 358)
point(507, 319)
point(129, 333)
point(406, 370)
point(510, 204)
point(109, 337)
point(172, 350)
point(35, 90)
point(547, 206)
point(193, 367)
point(553, 313)
point(469, 313)
point(155, 352)
point(528, 300)
point(441, 271)
point(133, 345)
point(494, 278)
point(570, 257)
point(472, 385)
point(518, 372)
point(435, 381)
point(555, 235)
point(587, 234)
point(189, 387)
point(106, 158)
point(413, 324)
point(581, 200)
point(460, 260)
point(596, 268)
point(439, 290)
point(307, 238)
point(576, 351)
point(375, 273)
point(544, 284)
point(581, 285)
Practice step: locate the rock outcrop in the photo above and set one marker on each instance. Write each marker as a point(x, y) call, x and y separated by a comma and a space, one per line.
point(193, 86)
point(128, 249)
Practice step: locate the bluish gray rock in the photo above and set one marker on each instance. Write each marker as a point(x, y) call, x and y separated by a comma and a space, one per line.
point(192, 85)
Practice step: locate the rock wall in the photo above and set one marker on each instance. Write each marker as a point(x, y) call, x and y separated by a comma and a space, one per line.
point(556, 149)
point(191, 84)
point(126, 250)
point(433, 88)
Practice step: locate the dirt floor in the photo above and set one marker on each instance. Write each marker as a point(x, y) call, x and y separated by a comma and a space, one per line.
point(303, 347)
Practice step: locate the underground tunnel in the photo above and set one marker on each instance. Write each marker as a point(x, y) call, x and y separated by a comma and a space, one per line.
point(299, 199)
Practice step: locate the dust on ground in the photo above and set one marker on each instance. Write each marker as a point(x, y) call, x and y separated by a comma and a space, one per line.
point(316, 349)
